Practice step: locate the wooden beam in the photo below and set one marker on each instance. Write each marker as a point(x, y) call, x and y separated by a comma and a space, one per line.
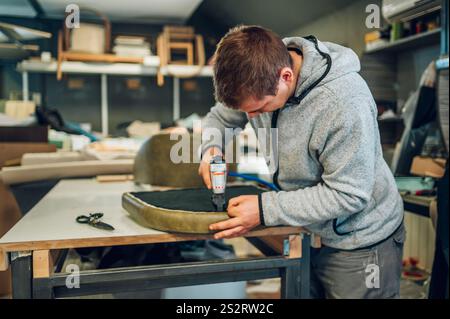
point(114, 178)
point(4, 261)
point(160, 237)
point(295, 246)
point(42, 263)
point(89, 57)
point(274, 242)
point(316, 242)
point(60, 56)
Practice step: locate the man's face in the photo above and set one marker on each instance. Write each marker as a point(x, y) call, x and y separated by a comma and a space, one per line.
point(269, 103)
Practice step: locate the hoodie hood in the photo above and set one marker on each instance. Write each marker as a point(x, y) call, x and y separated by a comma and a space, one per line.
point(344, 61)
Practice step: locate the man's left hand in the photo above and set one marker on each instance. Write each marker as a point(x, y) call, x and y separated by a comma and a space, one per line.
point(244, 215)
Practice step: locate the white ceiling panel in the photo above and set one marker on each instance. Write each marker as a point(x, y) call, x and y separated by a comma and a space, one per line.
point(128, 10)
point(17, 8)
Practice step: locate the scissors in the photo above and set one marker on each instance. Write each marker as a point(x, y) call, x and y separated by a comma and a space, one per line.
point(94, 220)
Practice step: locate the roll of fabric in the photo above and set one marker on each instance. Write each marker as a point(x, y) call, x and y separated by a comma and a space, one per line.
point(32, 173)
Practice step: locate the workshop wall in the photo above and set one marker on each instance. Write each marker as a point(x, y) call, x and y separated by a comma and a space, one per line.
point(350, 33)
point(410, 66)
point(351, 30)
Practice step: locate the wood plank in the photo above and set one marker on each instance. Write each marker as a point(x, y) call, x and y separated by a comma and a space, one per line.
point(295, 246)
point(133, 240)
point(39, 172)
point(114, 178)
point(316, 241)
point(111, 58)
point(180, 45)
point(200, 50)
point(4, 261)
point(60, 56)
point(275, 242)
point(42, 264)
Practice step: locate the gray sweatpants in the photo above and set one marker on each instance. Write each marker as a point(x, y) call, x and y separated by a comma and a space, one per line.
point(372, 272)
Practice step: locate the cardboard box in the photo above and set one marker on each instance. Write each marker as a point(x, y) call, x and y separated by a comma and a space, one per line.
point(427, 166)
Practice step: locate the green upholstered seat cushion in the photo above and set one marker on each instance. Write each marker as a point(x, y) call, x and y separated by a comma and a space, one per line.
point(181, 210)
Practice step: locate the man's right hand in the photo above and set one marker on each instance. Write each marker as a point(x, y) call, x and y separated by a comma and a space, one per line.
point(203, 169)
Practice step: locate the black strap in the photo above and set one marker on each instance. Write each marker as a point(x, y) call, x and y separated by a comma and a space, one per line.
point(297, 99)
point(275, 139)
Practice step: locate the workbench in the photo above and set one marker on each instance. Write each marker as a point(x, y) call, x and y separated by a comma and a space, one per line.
point(30, 248)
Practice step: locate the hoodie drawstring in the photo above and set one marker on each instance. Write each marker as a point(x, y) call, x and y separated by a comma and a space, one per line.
point(296, 100)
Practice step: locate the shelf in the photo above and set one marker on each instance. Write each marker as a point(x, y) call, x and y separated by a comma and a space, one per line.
point(112, 68)
point(105, 69)
point(411, 42)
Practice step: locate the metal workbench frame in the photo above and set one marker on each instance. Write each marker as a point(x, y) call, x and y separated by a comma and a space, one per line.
point(294, 274)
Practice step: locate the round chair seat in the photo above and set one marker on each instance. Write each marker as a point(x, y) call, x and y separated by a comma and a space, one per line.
point(180, 210)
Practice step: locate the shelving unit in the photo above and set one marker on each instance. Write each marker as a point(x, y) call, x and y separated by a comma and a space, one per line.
point(385, 70)
point(105, 69)
point(408, 43)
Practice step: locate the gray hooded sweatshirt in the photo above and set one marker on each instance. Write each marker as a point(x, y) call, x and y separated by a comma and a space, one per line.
point(331, 170)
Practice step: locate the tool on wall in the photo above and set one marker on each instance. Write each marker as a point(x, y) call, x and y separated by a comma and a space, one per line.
point(218, 172)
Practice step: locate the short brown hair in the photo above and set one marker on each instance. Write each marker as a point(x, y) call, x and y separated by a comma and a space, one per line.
point(247, 63)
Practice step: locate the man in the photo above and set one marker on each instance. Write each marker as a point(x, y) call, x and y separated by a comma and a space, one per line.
point(331, 173)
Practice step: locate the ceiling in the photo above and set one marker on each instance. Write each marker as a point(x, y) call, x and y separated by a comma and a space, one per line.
point(282, 16)
point(19, 8)
point(139, 11)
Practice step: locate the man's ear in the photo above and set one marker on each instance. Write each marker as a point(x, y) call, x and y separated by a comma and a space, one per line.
point(287, 74)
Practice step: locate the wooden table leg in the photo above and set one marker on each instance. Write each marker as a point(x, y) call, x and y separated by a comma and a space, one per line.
point(4, 261)
point(295, 280)
point(295, 246)
point(305, 267)
point(43, 265)
point(21, 269)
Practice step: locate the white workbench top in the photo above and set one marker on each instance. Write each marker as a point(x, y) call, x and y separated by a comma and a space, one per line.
point(51, 223)
point(53, 218)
